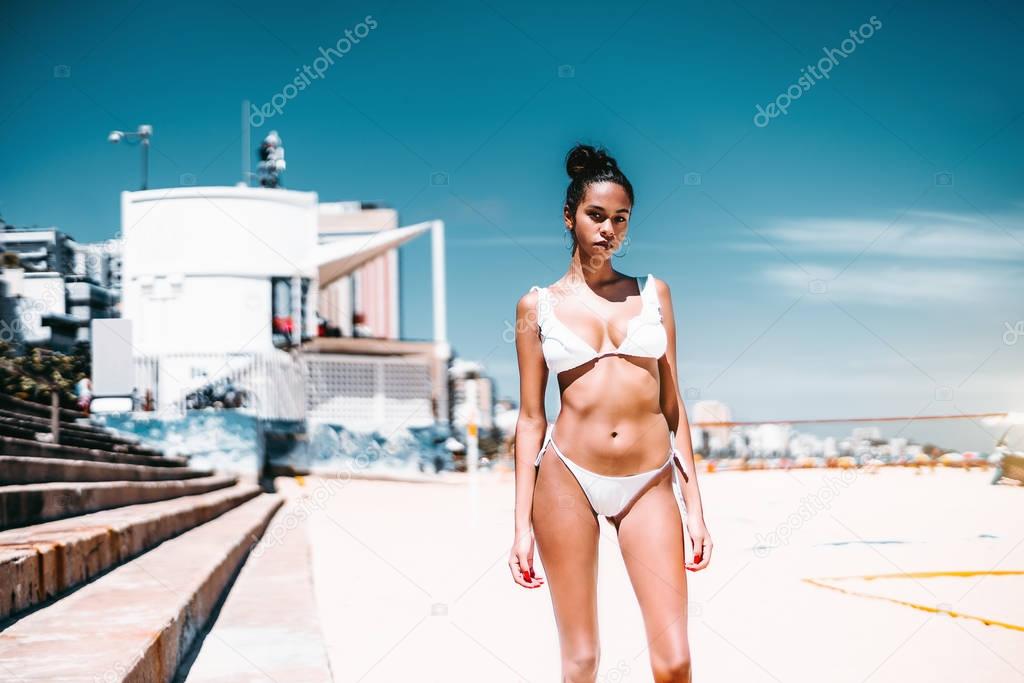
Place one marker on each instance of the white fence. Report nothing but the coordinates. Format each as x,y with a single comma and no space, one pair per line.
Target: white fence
364,393
268,385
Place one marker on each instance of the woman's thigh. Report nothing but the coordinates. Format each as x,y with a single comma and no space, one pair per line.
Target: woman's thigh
567,535
652,543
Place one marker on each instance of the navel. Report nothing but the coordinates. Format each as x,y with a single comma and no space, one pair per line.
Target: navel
614,434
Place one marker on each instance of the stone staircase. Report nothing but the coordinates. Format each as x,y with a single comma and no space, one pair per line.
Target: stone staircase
254,640
116,559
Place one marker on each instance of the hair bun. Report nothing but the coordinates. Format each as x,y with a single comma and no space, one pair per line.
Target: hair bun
585,160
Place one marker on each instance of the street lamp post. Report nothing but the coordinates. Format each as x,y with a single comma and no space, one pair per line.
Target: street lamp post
143,134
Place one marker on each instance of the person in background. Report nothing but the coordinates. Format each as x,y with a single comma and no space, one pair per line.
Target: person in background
83,390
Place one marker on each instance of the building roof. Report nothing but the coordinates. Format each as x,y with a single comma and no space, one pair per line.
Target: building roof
344,254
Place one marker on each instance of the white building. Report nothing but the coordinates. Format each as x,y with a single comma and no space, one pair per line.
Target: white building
709,428
223,284
474,404
201,263
771,440
53,287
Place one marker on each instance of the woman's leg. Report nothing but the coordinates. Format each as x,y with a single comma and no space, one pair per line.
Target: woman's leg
567,534
651,538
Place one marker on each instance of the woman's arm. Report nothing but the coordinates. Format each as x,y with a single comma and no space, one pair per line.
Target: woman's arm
530,428
675,413
532,421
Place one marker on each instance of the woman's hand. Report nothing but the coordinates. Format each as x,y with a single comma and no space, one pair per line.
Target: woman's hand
520,561
701,540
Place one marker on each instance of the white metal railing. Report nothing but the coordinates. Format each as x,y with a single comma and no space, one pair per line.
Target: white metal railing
269,385
365,393
360,392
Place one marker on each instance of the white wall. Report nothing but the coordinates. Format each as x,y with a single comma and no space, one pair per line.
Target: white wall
198,263
42,293
205,314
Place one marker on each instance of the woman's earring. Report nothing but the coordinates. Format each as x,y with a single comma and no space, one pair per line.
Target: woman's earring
625,243
567,242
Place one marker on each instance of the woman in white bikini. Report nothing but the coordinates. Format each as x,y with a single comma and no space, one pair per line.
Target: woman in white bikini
622,439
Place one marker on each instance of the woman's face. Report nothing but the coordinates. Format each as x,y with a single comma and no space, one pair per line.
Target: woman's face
602,219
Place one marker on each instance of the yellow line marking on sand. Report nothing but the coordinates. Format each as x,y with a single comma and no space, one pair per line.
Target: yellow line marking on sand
920,575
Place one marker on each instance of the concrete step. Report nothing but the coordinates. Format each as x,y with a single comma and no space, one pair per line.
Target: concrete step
80,427
136,622
33,408
38,449
71,420
38,424
44,560
16,470
24,504
252,639
27,429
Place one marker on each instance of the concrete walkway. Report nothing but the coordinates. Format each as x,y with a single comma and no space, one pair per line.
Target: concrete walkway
411,582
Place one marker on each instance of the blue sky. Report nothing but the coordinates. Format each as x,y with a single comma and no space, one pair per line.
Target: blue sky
896,181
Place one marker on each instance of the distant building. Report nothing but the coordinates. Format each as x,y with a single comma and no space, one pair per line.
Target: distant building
463,373
870,433
771,440
101,263
39,249
54,286
710,439
263,289
806,445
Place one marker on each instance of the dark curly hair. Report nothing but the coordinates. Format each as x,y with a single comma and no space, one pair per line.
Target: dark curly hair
587,165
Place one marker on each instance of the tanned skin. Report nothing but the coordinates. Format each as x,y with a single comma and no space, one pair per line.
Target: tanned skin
617,412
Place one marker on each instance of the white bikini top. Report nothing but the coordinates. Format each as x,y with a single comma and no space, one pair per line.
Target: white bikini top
564,350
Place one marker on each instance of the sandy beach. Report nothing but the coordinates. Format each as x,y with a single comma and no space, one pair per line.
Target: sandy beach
411,581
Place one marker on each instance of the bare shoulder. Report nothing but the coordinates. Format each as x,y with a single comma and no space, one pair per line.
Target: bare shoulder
663,290
527,302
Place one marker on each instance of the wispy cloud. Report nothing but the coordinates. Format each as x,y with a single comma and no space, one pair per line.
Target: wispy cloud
925,256
918,235
894,285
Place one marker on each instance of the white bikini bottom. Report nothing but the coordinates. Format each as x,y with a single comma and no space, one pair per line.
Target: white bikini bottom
610,495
